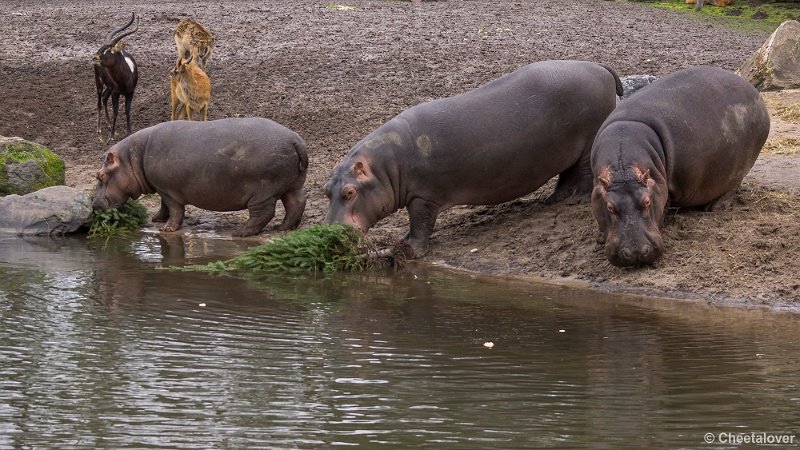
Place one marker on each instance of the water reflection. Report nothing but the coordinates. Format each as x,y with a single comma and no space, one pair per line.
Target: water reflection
103,348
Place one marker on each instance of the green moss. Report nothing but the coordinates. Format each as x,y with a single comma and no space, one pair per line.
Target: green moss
738,15
319,248
22,151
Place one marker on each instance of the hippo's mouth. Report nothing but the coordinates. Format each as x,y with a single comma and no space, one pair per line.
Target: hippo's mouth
634,253
101,202
353,221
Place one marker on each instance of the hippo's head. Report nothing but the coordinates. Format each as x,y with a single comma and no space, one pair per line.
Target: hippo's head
115,182
357,195
629,206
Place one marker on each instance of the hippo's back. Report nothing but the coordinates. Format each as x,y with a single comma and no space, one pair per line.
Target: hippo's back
234,151
211,136
513,133
711,125
713,104
521,106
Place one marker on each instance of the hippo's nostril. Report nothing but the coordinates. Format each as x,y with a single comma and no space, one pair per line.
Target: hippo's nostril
646,250
626,253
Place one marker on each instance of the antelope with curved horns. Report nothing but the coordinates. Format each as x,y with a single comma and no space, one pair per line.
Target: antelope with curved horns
115,74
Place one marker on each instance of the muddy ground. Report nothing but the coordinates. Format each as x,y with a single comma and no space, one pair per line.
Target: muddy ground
335,74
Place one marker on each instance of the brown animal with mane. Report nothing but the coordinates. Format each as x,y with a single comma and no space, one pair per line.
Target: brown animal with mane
192,39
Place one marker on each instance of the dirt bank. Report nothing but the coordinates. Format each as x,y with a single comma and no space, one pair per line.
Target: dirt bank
333,75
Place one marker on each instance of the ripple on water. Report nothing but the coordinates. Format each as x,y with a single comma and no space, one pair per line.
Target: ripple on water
115,353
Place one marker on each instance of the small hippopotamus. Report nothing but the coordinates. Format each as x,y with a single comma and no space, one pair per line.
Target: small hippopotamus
686,140
490,145
221,165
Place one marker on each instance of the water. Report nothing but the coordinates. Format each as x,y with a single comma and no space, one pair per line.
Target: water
102,348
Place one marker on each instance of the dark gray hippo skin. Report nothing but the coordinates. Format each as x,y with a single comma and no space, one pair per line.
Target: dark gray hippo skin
220,165
490,145
686,140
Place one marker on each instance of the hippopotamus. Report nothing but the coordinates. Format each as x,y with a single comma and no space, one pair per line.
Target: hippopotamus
221,165
686,140
490,145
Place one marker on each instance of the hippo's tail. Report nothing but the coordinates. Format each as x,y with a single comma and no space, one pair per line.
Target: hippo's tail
300,148
617,81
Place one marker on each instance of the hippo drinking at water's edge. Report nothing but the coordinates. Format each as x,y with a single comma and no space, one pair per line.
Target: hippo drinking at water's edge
688,139
222,165
490,145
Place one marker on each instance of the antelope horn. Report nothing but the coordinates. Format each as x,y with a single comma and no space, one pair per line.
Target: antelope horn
111,35
127,33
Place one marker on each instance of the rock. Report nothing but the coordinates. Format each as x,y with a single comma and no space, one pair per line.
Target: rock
26,167
776,65
54,210
633,83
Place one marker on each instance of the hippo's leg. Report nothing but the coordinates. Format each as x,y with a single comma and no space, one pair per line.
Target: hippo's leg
422,215
163,213
294,202
724,201
260,215
176,213
574,184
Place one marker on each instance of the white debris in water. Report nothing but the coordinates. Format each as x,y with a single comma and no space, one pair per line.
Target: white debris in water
202,305
562,331
488,344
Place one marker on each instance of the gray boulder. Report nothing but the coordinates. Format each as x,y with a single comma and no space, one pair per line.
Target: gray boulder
26,167
776,65
633,83
55,210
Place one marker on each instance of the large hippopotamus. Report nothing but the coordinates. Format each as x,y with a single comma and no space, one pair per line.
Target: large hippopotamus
686,140
487,146
221,165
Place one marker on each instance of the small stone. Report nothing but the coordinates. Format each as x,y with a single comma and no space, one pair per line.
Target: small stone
202,305
474,250
488,344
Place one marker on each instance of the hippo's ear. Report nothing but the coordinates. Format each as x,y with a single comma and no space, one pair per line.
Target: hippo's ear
604,178
643,176
360,170
111,160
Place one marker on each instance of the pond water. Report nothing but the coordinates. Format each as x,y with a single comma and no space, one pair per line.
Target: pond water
100,346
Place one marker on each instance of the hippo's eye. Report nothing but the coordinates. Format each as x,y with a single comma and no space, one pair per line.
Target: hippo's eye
349,194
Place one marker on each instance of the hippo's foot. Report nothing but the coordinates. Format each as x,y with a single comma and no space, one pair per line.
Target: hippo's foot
170,227
412,248
161,216
294,202
724,201
557,196
577,199
163,213
245,231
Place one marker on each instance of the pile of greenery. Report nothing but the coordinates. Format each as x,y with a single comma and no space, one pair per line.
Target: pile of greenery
318,248
114,222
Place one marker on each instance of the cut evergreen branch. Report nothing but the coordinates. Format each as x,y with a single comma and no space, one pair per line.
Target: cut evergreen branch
114,222
318,248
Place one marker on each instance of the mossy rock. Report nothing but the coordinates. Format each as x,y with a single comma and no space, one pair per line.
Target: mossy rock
26,167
